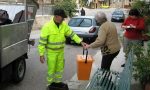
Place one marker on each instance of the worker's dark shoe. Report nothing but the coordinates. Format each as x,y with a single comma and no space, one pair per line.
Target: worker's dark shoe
65,86
58,86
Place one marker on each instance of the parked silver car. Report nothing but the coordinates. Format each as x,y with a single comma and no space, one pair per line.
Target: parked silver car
85,27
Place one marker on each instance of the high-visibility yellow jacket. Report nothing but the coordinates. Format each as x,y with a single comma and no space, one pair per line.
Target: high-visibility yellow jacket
53,38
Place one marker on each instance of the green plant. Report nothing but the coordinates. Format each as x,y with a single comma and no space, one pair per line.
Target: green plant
83,2
68,6
141,65
143,7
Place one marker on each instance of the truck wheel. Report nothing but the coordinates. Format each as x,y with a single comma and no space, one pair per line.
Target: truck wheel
19,68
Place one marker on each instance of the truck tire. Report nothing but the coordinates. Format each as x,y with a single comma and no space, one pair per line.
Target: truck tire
19,69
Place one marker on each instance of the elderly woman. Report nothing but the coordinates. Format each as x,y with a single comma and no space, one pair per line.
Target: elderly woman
133,26
107,40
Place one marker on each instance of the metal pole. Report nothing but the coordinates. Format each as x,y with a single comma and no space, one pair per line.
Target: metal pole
9,1
25,4
42,6
148,6
109,2
122,3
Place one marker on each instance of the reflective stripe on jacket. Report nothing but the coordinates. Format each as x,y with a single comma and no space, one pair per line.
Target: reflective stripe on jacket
53,38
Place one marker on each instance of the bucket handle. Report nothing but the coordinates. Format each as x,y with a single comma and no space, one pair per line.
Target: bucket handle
86,54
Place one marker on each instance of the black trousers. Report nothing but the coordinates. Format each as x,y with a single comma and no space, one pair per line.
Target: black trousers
107,60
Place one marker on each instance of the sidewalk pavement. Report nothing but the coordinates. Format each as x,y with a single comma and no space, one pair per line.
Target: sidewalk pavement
75,84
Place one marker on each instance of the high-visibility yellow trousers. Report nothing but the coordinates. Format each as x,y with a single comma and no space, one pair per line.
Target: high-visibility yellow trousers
55,63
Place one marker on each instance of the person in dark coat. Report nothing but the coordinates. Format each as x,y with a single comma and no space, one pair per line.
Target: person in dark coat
82,12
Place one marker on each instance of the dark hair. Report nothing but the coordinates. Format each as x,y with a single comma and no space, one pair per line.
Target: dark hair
134,12
60,12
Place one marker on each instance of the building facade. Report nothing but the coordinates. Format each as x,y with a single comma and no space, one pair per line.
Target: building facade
111,3
47,1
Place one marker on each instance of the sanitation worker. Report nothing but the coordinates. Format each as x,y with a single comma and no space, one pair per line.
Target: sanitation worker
52,43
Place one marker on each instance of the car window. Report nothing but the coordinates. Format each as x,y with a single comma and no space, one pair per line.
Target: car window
118,12
74,22
94,22
80,22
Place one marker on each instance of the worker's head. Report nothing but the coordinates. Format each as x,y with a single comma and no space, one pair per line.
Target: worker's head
100,18
134,13
59,15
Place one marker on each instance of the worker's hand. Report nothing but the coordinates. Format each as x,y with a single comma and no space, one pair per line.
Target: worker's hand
42,59
83,44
